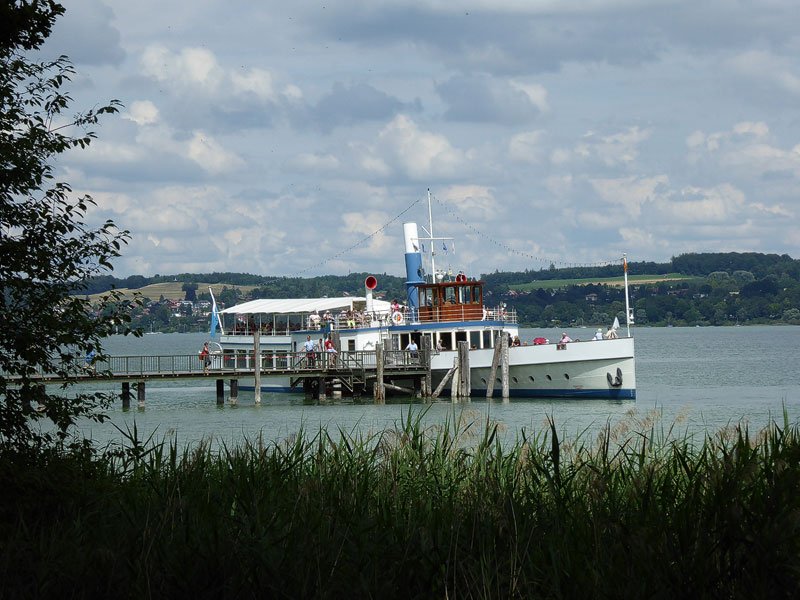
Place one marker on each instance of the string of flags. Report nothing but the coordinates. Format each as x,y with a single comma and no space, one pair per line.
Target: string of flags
510,250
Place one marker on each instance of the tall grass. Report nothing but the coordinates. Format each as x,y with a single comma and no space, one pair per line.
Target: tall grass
413,512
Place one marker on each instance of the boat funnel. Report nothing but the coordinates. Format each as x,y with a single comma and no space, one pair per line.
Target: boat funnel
414,273
370,283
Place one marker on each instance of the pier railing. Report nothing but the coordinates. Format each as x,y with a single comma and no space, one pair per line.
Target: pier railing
120,367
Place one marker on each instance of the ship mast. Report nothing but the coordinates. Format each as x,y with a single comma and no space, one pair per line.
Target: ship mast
628,313
430,233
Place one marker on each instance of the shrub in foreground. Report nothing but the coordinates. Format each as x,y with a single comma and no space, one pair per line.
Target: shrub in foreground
411,512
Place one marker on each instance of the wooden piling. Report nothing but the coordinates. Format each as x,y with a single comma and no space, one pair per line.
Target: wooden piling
498,352
220,392
234,383
321,388
140,392
379,392
257,371
126,395
426,383
504,367
445,379
464,384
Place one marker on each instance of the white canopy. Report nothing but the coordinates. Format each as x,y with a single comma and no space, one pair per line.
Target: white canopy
305,305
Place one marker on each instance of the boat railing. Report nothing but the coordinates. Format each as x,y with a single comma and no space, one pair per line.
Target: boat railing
361,319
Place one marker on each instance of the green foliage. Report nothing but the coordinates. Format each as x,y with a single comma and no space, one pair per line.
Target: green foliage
412,512
48,252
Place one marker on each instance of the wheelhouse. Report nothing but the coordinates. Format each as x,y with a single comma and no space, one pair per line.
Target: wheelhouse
460,300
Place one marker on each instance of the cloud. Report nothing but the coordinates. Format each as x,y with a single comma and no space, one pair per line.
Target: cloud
630,192
86,34
210,155
527,147
612,149
347,104
143,112
766,68
419,154
483,99
747,147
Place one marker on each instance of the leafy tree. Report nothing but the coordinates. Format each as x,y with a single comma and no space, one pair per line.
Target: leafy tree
47,252
191,291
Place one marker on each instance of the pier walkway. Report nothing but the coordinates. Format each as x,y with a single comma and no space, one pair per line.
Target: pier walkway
351,372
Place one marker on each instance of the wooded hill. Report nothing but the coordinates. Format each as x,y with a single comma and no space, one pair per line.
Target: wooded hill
690,289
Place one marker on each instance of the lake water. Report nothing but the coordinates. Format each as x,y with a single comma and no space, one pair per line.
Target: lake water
695,379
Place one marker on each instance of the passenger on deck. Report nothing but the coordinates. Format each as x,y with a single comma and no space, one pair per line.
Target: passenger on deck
564,338
313,320
516,341
598,334
412,349
309,346
611,334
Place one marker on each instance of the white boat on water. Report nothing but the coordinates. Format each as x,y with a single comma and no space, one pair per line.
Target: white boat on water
447,310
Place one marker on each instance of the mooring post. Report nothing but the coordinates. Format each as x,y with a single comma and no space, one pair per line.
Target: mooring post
234,383
257,367
220,392
426,382
321,389
140,388
126,395
379,392
504,366
498,350
464,385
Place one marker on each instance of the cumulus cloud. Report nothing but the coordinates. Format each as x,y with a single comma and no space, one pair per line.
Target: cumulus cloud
630,192
418,153
612,149
661,127
765,68
748,146
87,35
346,104
210,155
483,99
527,146
143,112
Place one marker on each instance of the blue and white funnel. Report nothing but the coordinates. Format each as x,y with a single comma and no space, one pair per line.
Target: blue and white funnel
413,264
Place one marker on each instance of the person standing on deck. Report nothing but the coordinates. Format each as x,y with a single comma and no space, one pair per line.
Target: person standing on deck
412,349
205,357
308,345
330,351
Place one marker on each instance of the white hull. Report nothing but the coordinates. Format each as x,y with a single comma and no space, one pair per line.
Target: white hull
592,369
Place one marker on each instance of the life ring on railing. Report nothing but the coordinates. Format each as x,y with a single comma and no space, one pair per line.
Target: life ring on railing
397,317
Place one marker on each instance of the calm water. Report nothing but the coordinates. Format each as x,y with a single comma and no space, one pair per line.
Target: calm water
696,378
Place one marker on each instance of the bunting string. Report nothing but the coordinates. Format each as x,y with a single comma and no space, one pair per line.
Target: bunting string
500,244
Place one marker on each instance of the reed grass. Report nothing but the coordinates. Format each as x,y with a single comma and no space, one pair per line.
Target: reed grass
413,512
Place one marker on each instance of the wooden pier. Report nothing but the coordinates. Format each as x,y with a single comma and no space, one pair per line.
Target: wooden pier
316,374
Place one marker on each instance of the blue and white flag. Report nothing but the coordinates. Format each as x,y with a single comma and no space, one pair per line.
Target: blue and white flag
215,322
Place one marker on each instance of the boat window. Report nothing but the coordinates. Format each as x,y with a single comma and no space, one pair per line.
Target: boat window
461,336
488,339
425,297
446,337
474,339
450,295
476,294
351,345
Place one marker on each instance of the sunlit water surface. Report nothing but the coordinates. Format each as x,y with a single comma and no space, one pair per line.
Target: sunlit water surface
690,379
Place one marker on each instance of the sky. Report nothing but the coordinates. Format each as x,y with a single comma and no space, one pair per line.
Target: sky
295,138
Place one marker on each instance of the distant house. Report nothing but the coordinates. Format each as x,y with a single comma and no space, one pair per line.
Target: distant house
591,297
